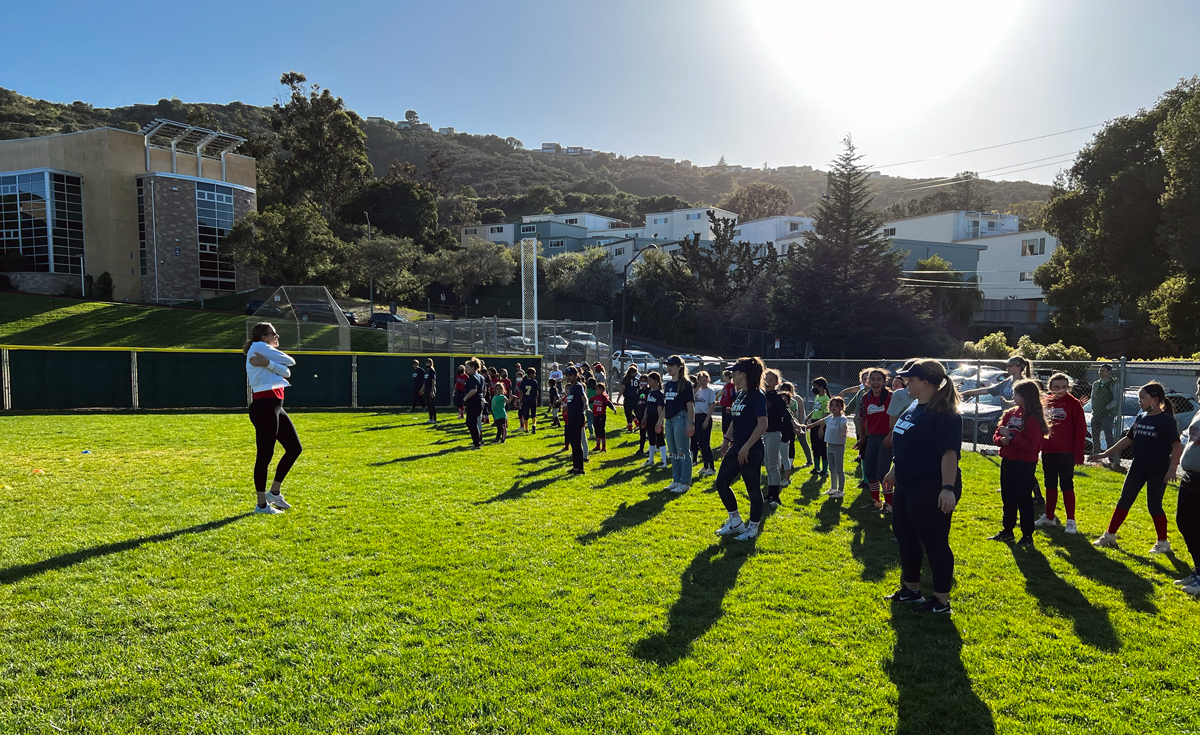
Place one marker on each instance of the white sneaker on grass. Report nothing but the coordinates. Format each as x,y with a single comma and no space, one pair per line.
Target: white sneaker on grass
837,495
1106,540
681,488
1161,547
750,533
648,463
1071,526
671,488
732,527
268,509
1193,589
1045,522
278,501
1188,581
665,466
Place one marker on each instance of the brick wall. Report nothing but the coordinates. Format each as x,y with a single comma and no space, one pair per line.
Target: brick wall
50,284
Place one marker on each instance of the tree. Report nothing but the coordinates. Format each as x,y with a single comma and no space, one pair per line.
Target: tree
412,117
1031,213
456,211
514,143
963,193
201,117
393,263
661,298
842,290
721,163
954,305
288,244
397,206
491,216
758,201
586,276
477,263
325,159
437,172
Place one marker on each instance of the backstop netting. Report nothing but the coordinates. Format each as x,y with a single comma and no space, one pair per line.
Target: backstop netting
306,318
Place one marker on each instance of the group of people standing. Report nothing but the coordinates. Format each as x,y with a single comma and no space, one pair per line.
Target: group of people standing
909,436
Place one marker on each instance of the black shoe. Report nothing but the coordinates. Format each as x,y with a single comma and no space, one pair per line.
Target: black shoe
1026,542
904,594
934,605
1005,536
574,472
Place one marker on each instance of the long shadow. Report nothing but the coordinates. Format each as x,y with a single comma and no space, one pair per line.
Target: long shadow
379,428
872,543
19,572
416,457
1098,566
628,516
829,516
703,586
620,478
1057,596
531,460
933,690
518,491
1178,566
810,490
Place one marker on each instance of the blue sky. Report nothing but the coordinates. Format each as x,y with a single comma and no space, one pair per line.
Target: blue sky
773,81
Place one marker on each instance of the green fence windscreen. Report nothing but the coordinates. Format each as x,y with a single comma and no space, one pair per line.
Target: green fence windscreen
387,380
191,380
70,379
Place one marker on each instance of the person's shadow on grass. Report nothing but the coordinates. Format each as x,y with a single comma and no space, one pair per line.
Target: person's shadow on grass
871,543
1055,594
416,457
62,561
518,491
933,690
703,586
628,516
1098,566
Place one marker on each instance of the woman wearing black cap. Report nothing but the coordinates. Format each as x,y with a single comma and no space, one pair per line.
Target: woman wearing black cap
678,423
473,398
742,449
927,483
576,401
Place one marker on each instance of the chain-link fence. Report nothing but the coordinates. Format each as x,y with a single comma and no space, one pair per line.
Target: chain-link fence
306,318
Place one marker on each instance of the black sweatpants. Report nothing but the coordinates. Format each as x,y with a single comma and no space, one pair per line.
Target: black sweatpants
475,421
575,426
818,449
1058,469
751,474
1017,481
1187,518
418,399
272,424
1156,488
702,440
598,422
432,407
878,458
630,409
923,530
642,437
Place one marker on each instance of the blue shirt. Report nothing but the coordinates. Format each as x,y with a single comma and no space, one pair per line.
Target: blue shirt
575,401
748,407
919,440
1004,389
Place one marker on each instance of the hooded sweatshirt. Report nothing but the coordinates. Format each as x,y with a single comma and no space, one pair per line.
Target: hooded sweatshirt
1026,437
1067,427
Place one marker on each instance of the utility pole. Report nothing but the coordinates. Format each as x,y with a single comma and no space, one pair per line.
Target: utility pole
370,268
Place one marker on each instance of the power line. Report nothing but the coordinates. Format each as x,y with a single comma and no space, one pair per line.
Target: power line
1006,173
957,178
990,147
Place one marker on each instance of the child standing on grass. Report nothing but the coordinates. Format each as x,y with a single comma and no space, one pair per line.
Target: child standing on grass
599,404
1154,437
656,402
531,396
555,403
1020,435
591,393
460,389
1062,451
500,412
267,370
837,428
643,397
820,389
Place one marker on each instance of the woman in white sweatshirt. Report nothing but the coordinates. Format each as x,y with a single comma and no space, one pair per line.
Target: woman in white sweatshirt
266,369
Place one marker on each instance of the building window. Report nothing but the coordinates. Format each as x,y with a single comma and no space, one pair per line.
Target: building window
660,220
793,226
692,216
1027,276
619,251
991,224
214,220
737,233
471,231
495,230
528,228
555,243
1033,246
41,217
573,221
889,232
142,245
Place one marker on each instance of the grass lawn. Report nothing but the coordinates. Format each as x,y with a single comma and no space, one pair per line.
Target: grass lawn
39,320
419,588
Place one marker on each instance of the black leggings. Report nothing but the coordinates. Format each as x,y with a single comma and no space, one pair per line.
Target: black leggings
598,423
630,409
878,458
1017,480
818,450
272,424
702,440
1058,469
418,399
1156,488
475,421
575,439
751,474
432,407
1187,518
922,529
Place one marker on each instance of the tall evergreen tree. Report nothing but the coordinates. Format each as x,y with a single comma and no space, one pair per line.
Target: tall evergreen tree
841,290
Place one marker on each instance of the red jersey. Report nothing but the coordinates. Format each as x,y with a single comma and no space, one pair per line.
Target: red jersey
728,392
873,411
600,403
1026,437
1067,427
507,386
276,392
460,383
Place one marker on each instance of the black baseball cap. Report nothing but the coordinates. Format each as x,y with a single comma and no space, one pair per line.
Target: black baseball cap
674,360
571,370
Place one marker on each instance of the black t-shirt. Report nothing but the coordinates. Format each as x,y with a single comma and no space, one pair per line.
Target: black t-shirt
630,388
748,407
553,395
679,394
919,440
1153,438
430,377
479,385
531,391
776,410
655,400
418,378
575,402
642,395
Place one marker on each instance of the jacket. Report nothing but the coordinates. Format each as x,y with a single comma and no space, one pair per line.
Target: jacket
1104,398
1026,437
1067,427
272,376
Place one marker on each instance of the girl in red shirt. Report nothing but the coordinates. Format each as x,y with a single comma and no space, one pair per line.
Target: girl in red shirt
1020,435
1062,451
600,403
877,458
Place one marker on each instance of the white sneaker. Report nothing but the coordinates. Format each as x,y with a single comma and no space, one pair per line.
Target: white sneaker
1161,547
731,527
1071,526
751,532
1106,540
1046,522
681,488
838,494
672,487
706,472
665,466
785,483
648,463
1193,589
278,501
268,509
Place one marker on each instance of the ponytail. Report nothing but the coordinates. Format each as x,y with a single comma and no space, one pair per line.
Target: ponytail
1158,393
257,334
946,399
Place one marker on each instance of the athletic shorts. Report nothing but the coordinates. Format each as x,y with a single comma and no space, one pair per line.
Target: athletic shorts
529,411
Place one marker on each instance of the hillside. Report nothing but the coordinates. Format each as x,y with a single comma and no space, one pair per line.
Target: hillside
485,163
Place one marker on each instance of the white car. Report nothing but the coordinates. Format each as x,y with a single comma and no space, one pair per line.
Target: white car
644,360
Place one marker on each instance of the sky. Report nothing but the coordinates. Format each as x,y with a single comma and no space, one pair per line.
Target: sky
780,82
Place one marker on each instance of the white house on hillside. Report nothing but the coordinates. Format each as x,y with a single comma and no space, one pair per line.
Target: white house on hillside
951,226
591,221
1006,267
782,230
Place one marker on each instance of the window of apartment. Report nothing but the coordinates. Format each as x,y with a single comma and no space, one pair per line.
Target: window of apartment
573,221
471,231
889,232
793,226
660,220
496,230
619,251
555,243
528,228
214,220
142,244
737,232
1033,246
1027,276
696,215
41,217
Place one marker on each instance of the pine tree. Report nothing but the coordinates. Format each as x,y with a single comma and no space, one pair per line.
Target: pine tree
841,290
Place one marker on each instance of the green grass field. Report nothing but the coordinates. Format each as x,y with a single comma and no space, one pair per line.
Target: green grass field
419,588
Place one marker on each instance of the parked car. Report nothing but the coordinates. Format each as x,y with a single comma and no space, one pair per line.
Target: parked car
980,418
644,360
554,345
514,341
1185,410
351,317
587,338
381,319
